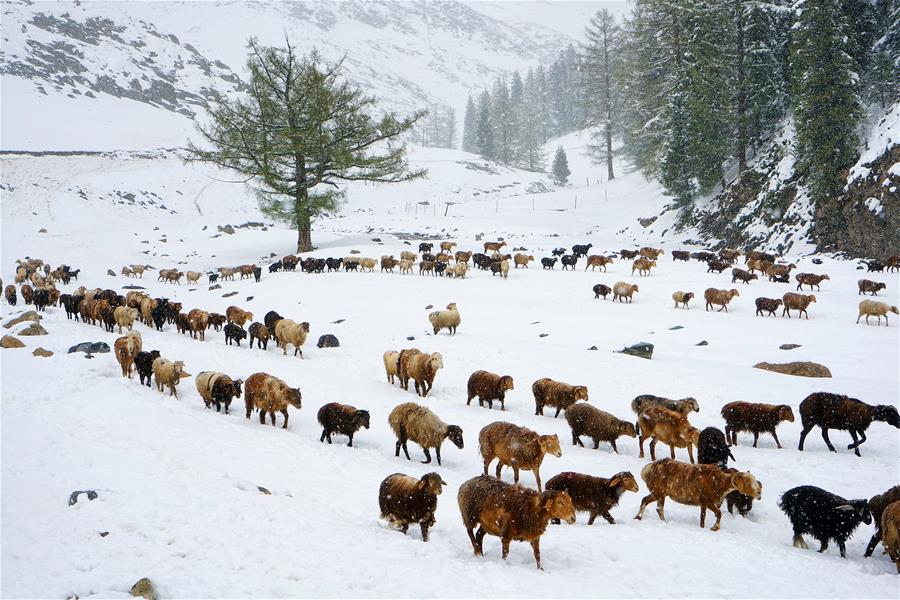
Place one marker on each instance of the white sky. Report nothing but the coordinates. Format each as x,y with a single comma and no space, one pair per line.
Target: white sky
566,16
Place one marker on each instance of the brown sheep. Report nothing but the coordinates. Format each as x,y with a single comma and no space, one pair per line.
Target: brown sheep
556,394
404,500
270,395
742,275
216,321
757,255
834,411
426,266
444,258
759,265
877,504
464,257
126,348
595,495
721,298
447,246
810,279
596,260
27,293
260,333
510,513
10,294
729,255
890,528
651,253
407,255
642,266
493,246
867,286
522,260
873,308
388,263
516,447
411,421
600,426
421,367
343,419
622,290
695,485
682,298
641,403
777,271
754,417
217,388
199,323
488,387
669,427
798,302
767,305
391,364
236,315
629,254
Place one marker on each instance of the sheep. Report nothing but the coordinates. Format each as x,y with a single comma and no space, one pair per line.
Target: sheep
516,447
682,298
260,333
217,388
641,403
890,526
556,394
651,253
510,513
192,276
270,320
584,419
126,349
276,266
234,333
407,255
270,394
596,260
595,495
548,263
716,266
445,319
125,317
704,256
143,363
810,279
167,373
10,294
833,411
729,255
629,254
581,250
439,268
893,263
767,305
460,269
873,308
569,261
798,302
823,515
488,387
388,263
419,366
290,332
681,255
754,417
236,315
622,290
199,323
391,364
425,246
426,266
406,266
721,298
404,500
226,273
411,421
712,449
757,255
463,257
367,264
27,293
443,257
493,246
341,418
669,427
759,265
742,275
780,272
521,260
877,505
216,321
867,286
642,266
694,485
601,290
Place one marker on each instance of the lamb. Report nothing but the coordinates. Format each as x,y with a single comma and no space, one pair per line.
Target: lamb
755,418
217,388
681,255
126,349
199,323
877,505
343,419
890,526
270,394
584,419
404,500
125,317
823,515
548,263
445,319
168,374
595,495
391,364
767,305
493,246
554,393
742,275
234,333
721,298
290,332
516,447
685,406
669,427
682,298
651,253
260,333
601,290
510,513
10,294
488,387
712,448
143,363
810,279
799,302
622,290
694,485
237,315
216,320
421,368
521,260
873,308
867,286
642,266
833,411
411,421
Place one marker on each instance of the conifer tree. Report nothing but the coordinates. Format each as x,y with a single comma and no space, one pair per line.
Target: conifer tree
560,167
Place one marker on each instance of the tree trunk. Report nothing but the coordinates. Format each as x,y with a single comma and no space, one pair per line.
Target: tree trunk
609,155
304,222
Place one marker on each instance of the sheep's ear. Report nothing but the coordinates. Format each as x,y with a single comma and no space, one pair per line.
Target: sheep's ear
616,480
443,482
422,483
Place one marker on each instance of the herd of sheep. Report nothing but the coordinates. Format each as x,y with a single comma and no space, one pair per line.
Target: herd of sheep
487,504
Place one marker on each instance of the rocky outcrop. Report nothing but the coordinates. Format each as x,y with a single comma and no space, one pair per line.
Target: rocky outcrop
798,369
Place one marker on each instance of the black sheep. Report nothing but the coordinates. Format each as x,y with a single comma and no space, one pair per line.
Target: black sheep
41,299
482,261
334,264
351,265
213,277
234,332
257,273
580,250
270,319
548,263
712,449
275,266
440,267
877,504
159,313
343,419
319,265
558,251
834,411
143,362
601,290
569,260
425,247
874,266
823,515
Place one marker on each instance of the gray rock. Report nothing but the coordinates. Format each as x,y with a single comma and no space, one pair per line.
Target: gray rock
788,346
429,307
104,533
354,252
90,348
249,298
641,349
133,287
215,286
410,338
328,341
73,497
229,294
702,343
798,369
110,272
42,230
593,348
227,229
376,239
675,327
338,321
264,490
543,335
33,329
817,261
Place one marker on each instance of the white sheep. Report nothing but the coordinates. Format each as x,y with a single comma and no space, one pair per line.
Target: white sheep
874,308
168,373
445,319
411,421
290,332
391,364
124,317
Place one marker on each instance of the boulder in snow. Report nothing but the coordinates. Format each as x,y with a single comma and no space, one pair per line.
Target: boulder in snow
641,350
798,369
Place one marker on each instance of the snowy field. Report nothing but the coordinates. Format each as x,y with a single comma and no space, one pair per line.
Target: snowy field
177,483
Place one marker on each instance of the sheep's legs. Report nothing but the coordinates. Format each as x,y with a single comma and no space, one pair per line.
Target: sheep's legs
755,438
803,434
872,543
537,477
497,472
576,441
326,435
648,499
690,450
653,450
437,452
775,435
716,511
515,475
827,441
536,546
703,511
427,456
824,545
609,518
842,548
424,528
558,408
641,445
479,541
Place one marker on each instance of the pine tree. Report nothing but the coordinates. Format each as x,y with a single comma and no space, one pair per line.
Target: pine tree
298,131
470,127
484,131
601,93
502,122
450,129
561,166
531,125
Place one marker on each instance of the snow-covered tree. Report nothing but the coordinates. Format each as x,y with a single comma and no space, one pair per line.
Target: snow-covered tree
560,167
470,127
484,129
600,56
